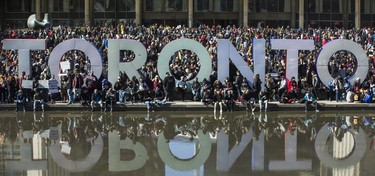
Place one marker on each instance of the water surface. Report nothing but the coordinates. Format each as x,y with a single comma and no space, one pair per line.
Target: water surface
187,143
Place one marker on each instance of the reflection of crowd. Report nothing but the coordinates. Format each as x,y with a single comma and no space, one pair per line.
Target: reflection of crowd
78,82
81,131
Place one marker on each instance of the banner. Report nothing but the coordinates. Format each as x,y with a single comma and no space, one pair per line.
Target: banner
65,66
27,84
43,84
53,86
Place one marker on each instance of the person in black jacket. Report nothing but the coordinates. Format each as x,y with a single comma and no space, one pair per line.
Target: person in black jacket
38,98
12,87
257,85
119,87
109,100
237,85
169,85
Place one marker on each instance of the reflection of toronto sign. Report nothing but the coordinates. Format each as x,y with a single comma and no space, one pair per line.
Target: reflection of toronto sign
226,52
225,157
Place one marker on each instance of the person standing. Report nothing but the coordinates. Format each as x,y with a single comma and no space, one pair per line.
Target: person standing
315,83
169,84
3,88
237,85
12,87
228,94
339,87
218,96
65,85
77,86
196,89
182,87
90,81
158,87
331,89
282,87
292,84
257,85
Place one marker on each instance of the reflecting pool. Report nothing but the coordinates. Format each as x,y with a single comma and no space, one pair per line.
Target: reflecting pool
187,143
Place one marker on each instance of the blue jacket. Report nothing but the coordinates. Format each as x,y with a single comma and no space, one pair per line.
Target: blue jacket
309,97
367,98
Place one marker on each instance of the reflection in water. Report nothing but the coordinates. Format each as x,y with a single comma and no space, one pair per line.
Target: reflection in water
187,144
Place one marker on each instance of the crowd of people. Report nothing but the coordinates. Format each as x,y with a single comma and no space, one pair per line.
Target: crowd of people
79,83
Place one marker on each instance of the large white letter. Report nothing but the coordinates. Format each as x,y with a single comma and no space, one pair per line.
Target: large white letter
226,157
182,164
188,44
322,150
227,51
24,46
27,161
75,44
130,68
80,165
115,145
292,46
290,162
336,45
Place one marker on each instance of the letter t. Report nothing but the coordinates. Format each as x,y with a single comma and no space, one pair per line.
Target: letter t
24,46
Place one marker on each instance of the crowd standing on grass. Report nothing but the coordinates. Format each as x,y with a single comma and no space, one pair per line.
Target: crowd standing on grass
79,83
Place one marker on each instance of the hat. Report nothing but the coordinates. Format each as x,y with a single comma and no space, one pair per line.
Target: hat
104,80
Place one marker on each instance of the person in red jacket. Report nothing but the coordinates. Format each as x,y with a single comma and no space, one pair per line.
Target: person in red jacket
292,83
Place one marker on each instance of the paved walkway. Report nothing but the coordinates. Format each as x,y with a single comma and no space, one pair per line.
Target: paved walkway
198,106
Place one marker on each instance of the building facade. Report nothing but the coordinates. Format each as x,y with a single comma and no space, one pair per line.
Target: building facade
273,13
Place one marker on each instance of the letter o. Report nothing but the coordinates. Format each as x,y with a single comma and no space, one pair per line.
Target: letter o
80,165
188,44
75,44
321,149
336,45
181,164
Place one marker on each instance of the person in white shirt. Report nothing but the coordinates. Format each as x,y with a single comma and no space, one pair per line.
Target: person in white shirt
282,87
350,96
